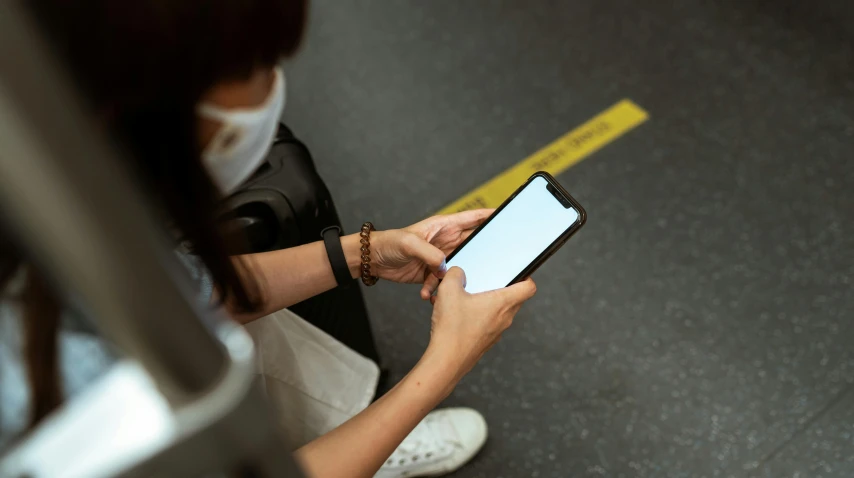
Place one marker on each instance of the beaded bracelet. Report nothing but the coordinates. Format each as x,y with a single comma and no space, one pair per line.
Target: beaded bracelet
367,278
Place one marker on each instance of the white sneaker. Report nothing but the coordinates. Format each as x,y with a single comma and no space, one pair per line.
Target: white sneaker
443,442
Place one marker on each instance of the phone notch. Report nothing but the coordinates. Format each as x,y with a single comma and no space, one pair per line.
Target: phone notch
557,195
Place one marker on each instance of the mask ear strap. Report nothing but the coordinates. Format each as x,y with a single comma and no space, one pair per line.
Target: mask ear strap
212,112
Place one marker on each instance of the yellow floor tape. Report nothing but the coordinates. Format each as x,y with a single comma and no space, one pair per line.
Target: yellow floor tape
556,157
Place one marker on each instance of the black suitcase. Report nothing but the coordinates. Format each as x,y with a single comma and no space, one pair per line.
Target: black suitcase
286,204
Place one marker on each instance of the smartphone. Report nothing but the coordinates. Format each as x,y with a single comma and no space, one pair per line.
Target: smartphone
520,235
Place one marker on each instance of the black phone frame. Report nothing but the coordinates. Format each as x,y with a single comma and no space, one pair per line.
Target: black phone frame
554,246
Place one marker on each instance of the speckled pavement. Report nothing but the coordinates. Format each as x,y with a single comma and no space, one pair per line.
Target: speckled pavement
701,323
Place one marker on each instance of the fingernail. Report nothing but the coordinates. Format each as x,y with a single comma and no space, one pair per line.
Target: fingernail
443,267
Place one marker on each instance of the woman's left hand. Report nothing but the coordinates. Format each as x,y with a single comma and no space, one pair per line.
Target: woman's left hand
416,254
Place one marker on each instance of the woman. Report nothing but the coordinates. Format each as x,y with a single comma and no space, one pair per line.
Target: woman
191,90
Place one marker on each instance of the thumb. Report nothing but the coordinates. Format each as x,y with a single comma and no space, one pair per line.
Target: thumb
427,253
455,279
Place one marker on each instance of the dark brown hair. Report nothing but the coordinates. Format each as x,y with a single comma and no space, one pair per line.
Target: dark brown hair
144,66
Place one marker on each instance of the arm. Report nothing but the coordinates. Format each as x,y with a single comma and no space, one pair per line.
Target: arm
408,255
358,447
289,276
464,327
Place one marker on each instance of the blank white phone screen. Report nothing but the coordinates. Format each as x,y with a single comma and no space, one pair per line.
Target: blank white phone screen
511,241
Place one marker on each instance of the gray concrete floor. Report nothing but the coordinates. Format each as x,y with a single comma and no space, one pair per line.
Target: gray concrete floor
700,324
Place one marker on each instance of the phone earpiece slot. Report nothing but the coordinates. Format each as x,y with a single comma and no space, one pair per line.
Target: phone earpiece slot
557,195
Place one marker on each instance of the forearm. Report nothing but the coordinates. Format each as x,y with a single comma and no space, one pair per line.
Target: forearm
289,276
360,446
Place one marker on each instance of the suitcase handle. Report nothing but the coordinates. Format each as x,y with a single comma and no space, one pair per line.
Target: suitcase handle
258,220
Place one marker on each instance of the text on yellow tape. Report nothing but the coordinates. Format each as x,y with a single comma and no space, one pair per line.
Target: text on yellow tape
556,157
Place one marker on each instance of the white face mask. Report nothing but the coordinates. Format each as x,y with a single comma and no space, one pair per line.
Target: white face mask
245,137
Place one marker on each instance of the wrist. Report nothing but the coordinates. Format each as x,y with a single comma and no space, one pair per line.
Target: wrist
353,253
443,365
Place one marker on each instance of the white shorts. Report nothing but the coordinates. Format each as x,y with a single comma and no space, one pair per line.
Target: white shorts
313,381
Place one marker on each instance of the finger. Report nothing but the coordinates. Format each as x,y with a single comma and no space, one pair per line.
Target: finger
431,282
423,228
465,234
455,243
455,280
470,219
433,300
427,253
518,293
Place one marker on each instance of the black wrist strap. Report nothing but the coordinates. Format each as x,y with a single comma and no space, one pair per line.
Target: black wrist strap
332,239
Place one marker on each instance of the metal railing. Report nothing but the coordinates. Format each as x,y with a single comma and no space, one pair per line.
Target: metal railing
84,219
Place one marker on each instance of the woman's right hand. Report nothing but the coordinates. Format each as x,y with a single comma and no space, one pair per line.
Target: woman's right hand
465,326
